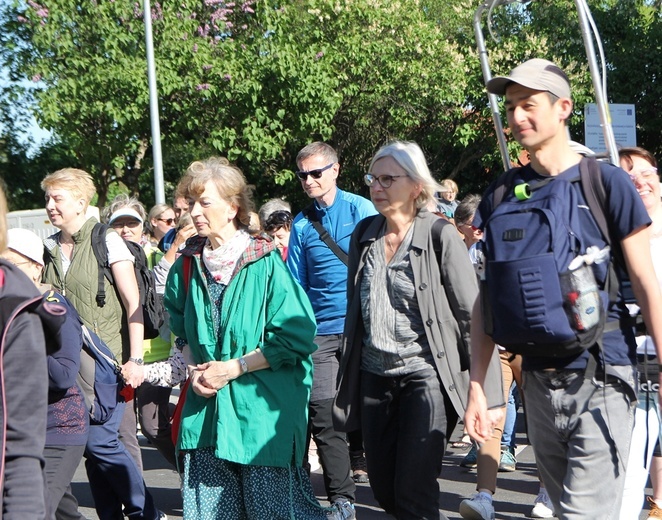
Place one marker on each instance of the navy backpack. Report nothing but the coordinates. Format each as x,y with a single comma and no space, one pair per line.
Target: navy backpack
533,302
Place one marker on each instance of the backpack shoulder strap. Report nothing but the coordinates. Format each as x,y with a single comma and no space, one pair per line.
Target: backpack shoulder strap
593,187
504,184
594,192
590,176
310,213
100,249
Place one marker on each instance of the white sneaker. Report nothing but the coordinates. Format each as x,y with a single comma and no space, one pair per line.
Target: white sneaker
542,507
477,508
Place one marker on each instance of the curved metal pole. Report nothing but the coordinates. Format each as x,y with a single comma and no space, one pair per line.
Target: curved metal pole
487,75
159,193
603,107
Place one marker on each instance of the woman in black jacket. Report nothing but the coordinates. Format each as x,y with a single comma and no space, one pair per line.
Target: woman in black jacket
24,393
67,422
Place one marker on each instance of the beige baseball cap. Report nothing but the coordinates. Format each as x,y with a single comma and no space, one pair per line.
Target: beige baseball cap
536,74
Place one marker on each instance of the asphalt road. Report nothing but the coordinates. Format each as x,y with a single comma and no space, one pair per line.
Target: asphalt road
513,499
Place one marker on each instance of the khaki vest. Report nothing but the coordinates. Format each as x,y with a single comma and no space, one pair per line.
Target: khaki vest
79,285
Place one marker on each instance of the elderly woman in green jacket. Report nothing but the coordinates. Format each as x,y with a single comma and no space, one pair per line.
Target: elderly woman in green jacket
249,330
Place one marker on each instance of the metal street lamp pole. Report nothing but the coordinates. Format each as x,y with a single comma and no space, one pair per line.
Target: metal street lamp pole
159,192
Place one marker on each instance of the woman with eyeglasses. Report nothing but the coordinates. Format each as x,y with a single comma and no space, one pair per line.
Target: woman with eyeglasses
644,454
404,373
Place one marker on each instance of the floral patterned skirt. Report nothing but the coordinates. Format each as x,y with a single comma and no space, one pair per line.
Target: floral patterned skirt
216,489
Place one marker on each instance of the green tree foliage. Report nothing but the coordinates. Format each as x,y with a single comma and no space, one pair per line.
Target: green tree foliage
629,32
257,80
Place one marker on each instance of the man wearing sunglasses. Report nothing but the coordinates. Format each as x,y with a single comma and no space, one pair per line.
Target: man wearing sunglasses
318,262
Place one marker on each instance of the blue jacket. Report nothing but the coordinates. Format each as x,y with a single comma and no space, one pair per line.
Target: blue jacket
319,271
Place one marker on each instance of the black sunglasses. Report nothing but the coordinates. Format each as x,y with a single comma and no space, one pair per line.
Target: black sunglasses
315,174
168,221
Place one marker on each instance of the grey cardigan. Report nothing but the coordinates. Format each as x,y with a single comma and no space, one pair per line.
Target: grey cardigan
446,295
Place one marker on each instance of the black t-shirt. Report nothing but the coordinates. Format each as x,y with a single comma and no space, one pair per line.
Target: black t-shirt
625,214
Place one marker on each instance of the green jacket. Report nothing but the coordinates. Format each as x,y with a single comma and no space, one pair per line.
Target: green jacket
80,287
261,417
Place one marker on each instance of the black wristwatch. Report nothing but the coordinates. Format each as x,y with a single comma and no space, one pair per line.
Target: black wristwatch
137,360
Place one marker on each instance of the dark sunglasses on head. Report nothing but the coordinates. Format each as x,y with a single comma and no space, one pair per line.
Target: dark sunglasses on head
315,174
277,220
169,221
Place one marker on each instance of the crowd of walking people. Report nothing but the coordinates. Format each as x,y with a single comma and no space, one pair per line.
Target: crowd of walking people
367,327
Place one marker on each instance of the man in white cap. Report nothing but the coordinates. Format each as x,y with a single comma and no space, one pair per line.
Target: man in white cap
579,425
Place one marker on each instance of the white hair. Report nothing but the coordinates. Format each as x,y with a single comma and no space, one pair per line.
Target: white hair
410,158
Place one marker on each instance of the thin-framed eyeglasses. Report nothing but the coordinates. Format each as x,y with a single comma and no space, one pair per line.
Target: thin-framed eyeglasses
645,174
315,174
384,180
169,221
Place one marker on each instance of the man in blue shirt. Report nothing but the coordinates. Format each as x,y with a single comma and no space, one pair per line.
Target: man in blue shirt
323,275
579,426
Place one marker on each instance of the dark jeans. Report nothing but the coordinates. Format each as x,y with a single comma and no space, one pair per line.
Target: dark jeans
114,477
355,440
332,452
406,422
331,445
61,464
154,416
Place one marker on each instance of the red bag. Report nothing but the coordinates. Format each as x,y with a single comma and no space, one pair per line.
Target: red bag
176,418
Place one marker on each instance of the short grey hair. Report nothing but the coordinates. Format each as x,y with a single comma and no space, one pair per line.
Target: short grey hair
410,158
317,149
465,211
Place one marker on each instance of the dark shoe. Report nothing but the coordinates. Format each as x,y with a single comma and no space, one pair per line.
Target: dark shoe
359,467
470,460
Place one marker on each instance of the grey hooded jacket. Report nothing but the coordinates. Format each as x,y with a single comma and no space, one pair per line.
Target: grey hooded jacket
446,294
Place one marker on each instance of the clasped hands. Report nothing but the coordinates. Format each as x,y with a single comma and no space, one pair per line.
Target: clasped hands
208,378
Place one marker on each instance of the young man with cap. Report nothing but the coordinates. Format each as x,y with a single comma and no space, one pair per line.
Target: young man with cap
579,425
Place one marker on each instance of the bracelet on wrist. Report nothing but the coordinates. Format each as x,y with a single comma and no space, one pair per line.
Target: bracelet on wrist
137,360
243,365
